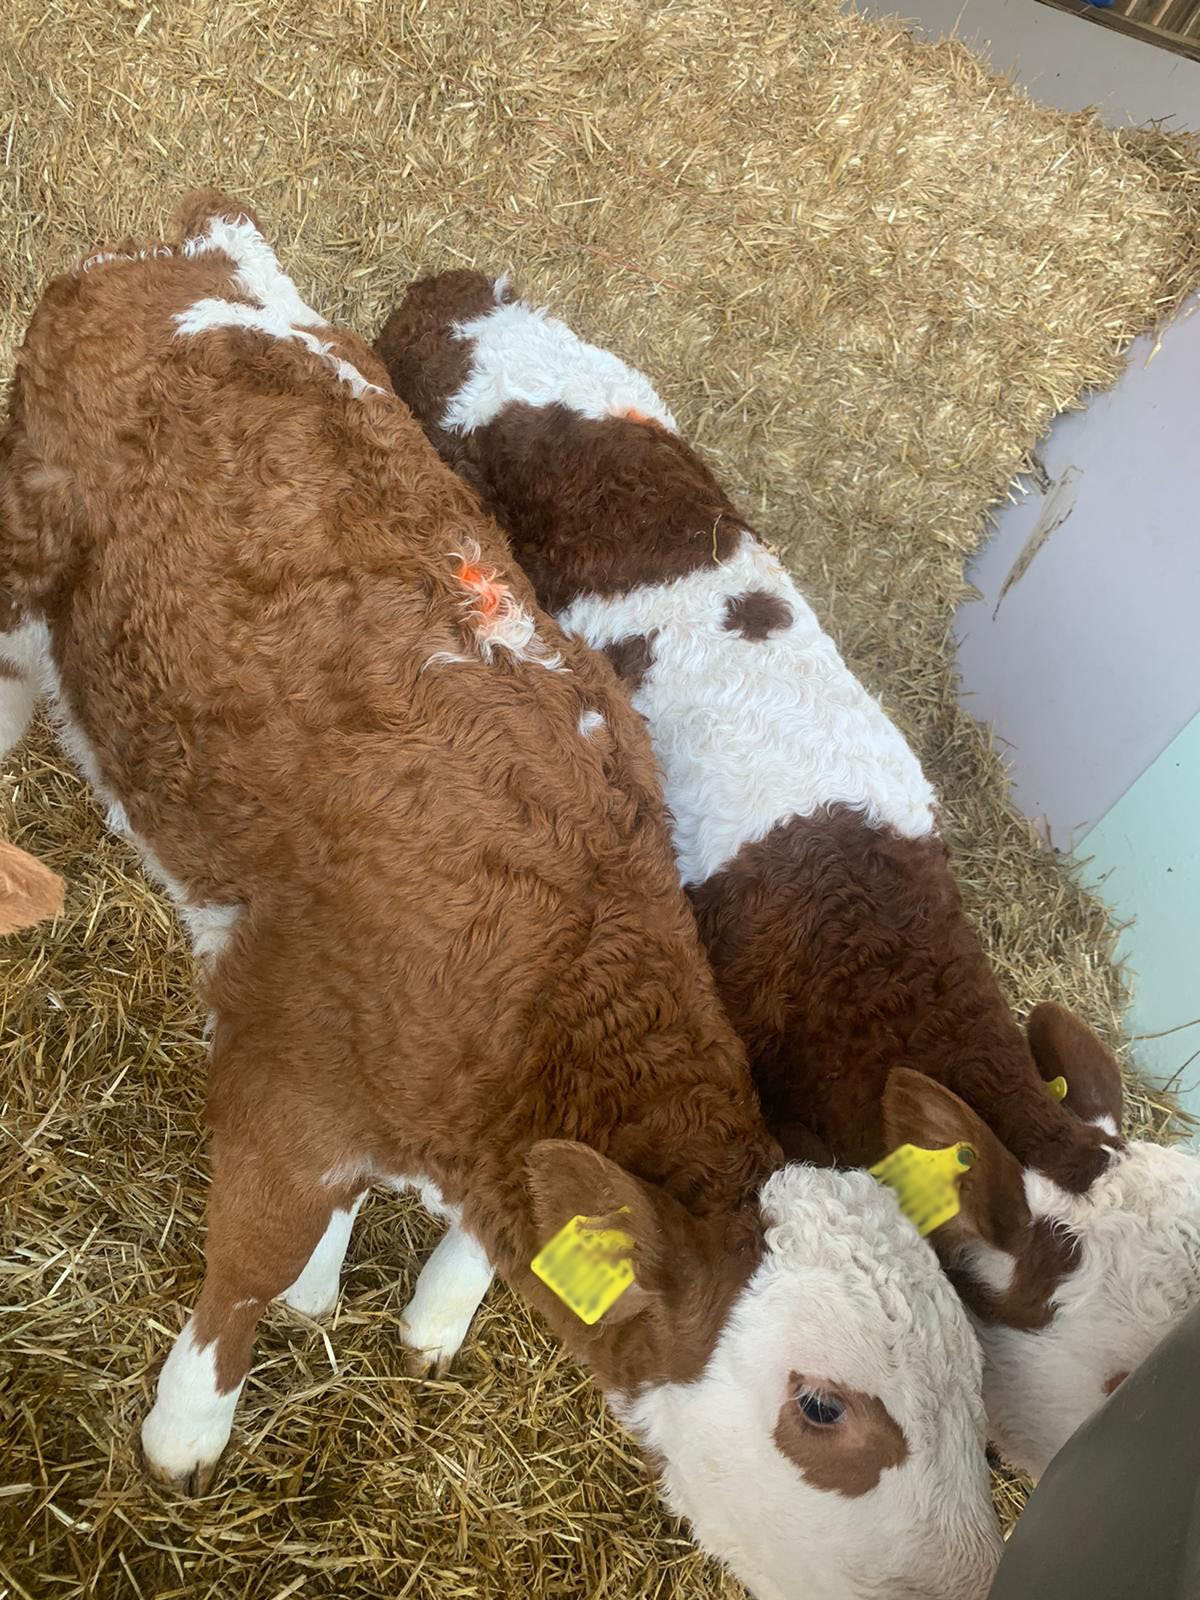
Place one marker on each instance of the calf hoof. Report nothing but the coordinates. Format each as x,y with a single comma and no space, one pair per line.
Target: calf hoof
192,1482
180,1457
422,1362
315,1304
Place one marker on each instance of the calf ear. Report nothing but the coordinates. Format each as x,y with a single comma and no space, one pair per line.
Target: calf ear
1064,1047
29,892
918,1110
571,1180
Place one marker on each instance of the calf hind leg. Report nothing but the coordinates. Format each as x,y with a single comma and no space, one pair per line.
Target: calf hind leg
263,1229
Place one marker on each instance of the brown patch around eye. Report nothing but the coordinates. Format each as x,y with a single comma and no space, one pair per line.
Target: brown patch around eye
631,658
757,614
848,1457
1115,1382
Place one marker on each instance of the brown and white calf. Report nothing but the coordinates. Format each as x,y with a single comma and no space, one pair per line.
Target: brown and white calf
806,835
417,837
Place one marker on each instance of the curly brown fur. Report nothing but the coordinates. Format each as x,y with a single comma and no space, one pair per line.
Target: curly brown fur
843,951
460,930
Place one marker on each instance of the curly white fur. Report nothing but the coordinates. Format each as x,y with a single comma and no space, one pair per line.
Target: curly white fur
849,1295
750,733
1138,1231
22,653
522,354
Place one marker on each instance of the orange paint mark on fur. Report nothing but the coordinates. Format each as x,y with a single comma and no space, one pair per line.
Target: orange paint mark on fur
498,619
633,415
489,593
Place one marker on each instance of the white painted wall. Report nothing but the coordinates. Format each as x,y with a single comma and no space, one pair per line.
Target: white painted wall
1089,664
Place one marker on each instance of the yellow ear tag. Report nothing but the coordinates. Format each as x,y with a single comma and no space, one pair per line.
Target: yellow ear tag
586,1266
1056,1088
926,1182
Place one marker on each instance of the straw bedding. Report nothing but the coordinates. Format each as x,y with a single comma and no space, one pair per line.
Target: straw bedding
865,275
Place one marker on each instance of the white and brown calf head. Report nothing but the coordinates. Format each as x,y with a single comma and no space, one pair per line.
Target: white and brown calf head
803,1377
1069,1292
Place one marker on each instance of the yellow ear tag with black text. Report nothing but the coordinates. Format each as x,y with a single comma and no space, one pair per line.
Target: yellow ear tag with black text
926,1182
1056,1088
586,1266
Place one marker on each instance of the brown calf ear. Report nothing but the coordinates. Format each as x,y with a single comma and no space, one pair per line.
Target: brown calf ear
1064,1047
917,1110
29,892
571,1180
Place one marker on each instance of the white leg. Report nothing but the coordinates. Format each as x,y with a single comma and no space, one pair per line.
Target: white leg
21,655
17,700
184,1434
315,1291
449,1289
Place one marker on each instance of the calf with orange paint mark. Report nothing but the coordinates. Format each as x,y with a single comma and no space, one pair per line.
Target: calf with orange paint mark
445,944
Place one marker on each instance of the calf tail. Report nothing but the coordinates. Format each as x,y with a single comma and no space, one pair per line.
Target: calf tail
202,206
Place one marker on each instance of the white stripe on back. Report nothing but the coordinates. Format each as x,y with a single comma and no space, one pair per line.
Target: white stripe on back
750,733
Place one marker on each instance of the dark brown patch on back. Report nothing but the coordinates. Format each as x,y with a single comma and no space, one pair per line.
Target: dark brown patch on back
848,1457
632,658
842,951
599,507
757,614
425,360
592,506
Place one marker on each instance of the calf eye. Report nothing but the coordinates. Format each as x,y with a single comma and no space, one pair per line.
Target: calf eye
822,1410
